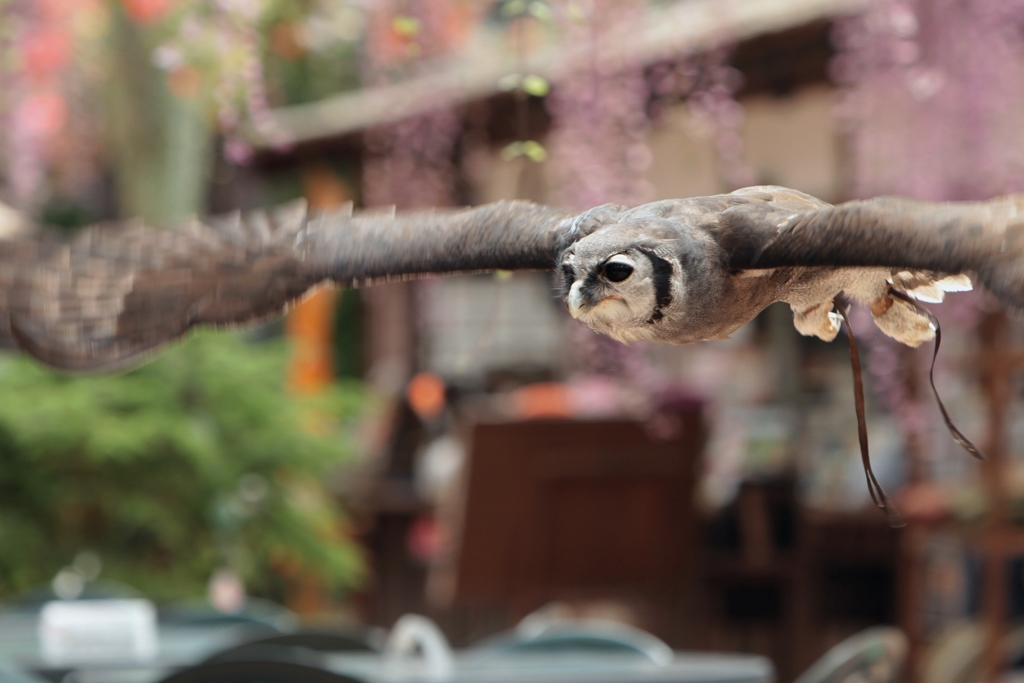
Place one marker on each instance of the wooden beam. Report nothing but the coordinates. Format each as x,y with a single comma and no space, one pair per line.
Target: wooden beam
660,33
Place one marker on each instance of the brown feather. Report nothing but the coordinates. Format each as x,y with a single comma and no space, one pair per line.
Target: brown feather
946,237
114,293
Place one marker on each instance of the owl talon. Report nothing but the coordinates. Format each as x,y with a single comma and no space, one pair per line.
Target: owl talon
901,321
818,321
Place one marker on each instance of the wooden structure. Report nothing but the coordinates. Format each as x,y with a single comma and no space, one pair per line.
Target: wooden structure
999,540
788,582
664,31
581,511
998,364
577,510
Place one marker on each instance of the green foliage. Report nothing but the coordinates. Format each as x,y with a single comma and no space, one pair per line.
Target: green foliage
532,149
195,461
348,334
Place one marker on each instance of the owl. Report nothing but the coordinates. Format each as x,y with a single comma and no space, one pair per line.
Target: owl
675,271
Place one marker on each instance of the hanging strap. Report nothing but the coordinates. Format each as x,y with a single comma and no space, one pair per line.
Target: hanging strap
957,435
874,488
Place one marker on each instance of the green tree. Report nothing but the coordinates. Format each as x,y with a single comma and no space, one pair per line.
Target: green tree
195,461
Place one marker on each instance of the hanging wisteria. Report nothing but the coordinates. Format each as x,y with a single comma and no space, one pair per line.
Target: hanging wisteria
708,84
409,163
52,59
597,144
599,116
37,47
225,38
713,103
931,104
615,103
932,97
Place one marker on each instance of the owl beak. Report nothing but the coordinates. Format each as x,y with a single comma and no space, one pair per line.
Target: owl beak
575,299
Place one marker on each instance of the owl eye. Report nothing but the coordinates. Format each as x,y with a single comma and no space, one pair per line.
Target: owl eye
616,271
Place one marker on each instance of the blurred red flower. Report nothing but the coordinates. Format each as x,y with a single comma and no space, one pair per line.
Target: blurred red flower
42,114
146,11
46,51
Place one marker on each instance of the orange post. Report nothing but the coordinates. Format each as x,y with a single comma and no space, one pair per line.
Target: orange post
309,328
309,324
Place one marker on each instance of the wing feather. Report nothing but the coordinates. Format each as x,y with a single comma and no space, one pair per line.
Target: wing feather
114,293
985,238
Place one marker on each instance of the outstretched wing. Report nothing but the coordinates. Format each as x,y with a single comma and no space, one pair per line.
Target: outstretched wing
926,245
774,227
113,293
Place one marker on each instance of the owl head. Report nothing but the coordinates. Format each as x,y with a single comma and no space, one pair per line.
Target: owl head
621,281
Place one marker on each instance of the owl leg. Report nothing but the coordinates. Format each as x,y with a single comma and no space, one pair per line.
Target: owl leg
901,321
817,321
894,317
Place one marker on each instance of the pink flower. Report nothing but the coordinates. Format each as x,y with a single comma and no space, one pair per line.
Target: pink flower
41,115
238,151
46,52
146,11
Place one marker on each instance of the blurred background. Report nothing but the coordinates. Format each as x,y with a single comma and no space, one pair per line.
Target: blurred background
460,448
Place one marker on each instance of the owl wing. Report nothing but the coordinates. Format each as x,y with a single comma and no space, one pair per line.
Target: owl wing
928,247
923,242
114,293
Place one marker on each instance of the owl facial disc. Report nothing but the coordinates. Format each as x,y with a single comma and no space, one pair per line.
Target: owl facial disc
581,299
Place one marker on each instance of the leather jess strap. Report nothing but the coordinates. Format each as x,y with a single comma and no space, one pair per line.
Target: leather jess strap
874,488
877,493
957,435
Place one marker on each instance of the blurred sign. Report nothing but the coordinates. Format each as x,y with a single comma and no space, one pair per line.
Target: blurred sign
73,631
475,325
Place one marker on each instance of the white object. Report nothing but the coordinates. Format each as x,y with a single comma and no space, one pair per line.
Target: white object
438,467
536,628
417,652
226,591
413,634
73,631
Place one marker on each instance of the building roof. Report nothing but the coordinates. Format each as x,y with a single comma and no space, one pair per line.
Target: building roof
662,32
